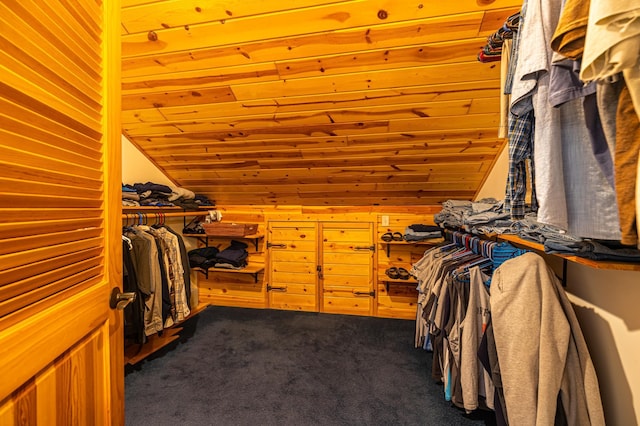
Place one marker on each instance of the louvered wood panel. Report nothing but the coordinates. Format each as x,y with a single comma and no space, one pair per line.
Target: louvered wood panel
59,228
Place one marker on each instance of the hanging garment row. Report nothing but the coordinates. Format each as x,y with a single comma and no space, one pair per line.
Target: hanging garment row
503,333
156,268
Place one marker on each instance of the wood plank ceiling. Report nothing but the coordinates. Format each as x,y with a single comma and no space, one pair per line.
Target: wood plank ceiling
314,102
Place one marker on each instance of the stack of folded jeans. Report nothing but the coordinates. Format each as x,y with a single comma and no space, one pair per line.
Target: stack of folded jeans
233,257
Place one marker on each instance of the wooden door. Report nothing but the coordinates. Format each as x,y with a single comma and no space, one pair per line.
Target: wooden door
293,260
61,349
346,258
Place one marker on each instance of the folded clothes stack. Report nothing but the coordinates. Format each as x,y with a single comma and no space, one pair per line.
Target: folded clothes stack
488,216
418,232
233,257
158,195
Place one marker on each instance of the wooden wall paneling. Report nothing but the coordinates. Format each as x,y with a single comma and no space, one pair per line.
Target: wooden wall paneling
176,106
279,90
144,16
297,21
378,36
381,79
379,59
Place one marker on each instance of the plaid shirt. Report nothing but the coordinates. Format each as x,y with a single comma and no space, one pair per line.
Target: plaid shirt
521,131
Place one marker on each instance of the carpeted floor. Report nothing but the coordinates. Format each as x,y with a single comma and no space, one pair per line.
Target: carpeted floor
265,367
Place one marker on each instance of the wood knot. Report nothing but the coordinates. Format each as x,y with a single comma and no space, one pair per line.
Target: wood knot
382,14
152,36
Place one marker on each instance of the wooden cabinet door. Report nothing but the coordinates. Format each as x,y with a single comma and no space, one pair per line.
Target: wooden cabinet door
346,258
61,351
293,260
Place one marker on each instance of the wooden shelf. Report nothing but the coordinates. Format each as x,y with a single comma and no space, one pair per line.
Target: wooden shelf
411,282
428,242
249,269
431,241
385,278
597,264
204,238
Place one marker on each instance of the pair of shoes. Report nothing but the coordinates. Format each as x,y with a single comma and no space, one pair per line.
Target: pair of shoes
397,273
395,236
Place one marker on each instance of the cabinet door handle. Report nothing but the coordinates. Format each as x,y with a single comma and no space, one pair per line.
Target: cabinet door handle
271,288
269,245
319,269
365,293
371,248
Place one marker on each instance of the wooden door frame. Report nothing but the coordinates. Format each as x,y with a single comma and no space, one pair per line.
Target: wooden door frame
112,163
112,135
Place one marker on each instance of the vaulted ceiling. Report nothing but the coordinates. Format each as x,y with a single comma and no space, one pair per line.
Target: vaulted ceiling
314,102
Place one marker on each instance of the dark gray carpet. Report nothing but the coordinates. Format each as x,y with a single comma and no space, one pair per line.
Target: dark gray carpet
264,367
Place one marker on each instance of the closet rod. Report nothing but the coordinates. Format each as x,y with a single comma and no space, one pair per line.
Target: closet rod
131,215
174,214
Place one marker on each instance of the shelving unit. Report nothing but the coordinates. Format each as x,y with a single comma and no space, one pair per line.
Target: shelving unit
597,264
249,269
429,242
204,238
386,280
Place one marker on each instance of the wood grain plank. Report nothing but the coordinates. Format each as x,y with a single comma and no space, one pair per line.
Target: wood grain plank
389,58
398,146
418,76
193,109
193,80
375,36
187,98
176,13
362,114
346,172
204,131
297,21
293,188
158,144
361,178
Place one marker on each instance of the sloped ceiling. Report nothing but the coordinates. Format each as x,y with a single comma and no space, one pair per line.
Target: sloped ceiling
314,102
